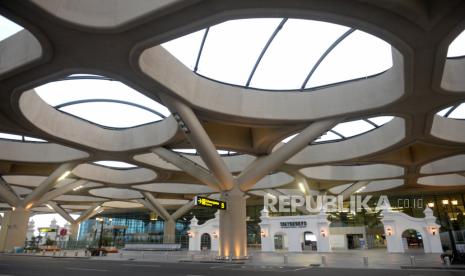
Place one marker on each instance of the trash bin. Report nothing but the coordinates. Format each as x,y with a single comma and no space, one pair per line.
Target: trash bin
18,249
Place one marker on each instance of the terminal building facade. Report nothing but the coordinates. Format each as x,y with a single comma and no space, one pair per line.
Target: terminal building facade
116,115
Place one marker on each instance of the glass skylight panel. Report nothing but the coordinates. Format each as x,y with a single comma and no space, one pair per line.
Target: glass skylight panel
293,52
61,92
458,113
10,136
457,47
349,129
115,164
186,48
289,138
328,136
381,120
111,114
358,55
232,48
188,151
32,139
8,28
443,112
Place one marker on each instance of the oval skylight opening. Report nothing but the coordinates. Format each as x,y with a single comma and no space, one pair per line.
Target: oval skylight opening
115,164
349,129
110,114
102,101
194,152
281,54
9,136
457,47
8,28
453,112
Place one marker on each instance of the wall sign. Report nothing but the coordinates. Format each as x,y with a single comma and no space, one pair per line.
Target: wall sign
293,224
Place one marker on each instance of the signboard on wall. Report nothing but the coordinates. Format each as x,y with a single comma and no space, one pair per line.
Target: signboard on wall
293,224
210,203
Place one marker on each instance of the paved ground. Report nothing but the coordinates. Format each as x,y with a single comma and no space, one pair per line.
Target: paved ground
341,259
34,266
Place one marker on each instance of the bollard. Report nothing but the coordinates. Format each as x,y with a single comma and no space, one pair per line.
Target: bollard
100,253
447,260
166,256
285,259
75,253
365,260
192,257
64,253
143,255
54,253
121,255
412,260
43,252
323,260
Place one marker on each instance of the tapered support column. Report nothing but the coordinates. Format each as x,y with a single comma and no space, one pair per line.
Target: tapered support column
233,226
74,231
169,231
14,229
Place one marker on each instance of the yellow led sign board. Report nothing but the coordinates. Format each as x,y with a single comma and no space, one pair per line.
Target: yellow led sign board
210,203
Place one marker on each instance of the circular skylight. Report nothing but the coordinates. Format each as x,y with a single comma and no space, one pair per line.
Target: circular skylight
457,47
349,129
281,54
115,164
102,101
453,112
8,28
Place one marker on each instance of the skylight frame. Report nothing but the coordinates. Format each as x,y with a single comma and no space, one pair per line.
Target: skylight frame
76,77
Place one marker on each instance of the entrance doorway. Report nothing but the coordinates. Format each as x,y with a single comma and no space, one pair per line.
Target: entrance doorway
280,241
353,241
205,242
412,240
309,243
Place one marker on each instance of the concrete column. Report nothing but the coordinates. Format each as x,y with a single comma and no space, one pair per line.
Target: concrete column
233,226
169,231
74,231
14,229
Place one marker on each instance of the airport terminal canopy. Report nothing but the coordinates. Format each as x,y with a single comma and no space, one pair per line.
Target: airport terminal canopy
173,99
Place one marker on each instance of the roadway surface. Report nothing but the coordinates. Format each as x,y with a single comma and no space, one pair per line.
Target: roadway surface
46,266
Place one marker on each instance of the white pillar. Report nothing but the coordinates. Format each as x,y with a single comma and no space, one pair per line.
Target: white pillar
14,229
74,229
323,244
169,231
265,232
233,226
